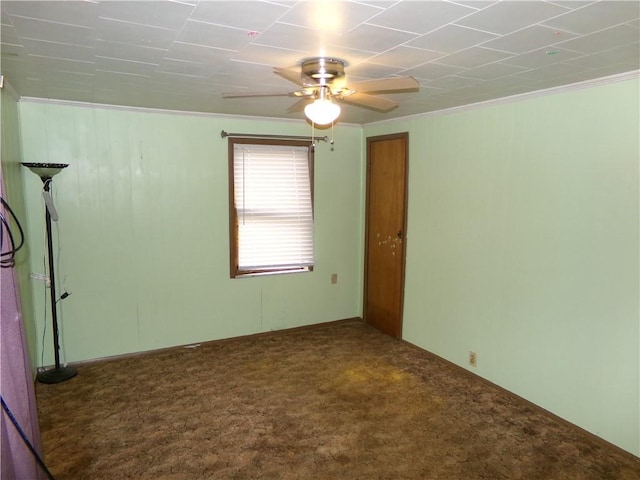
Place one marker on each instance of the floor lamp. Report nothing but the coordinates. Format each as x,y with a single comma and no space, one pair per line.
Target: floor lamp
46,171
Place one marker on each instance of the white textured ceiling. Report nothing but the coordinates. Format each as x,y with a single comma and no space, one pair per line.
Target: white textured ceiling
182,55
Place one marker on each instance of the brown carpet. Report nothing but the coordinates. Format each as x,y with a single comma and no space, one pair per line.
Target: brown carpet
340,401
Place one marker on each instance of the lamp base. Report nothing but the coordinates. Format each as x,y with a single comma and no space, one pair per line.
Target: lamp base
56,375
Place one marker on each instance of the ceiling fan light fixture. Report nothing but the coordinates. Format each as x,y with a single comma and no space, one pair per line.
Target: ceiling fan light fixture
322,111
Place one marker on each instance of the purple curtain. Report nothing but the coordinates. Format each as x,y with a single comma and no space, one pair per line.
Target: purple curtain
16,381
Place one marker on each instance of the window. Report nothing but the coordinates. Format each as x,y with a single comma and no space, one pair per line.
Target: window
271,206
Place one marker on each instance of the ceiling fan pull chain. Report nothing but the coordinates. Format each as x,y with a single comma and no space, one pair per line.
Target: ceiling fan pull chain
332,125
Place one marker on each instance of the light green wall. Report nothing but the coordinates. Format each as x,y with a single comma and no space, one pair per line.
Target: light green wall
144,230
12,173
523,247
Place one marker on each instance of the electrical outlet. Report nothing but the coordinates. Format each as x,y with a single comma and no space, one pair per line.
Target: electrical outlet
473,359
334,278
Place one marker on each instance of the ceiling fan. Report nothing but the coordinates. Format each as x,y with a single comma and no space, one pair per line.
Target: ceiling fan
322,80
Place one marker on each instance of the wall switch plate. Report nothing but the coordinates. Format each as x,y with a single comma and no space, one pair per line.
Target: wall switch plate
334,278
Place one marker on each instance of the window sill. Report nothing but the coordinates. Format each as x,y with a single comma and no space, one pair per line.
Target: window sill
274,272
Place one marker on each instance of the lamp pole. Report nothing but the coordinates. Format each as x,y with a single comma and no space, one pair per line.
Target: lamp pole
59,373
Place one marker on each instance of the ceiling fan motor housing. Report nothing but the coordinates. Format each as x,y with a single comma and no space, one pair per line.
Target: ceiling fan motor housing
323,70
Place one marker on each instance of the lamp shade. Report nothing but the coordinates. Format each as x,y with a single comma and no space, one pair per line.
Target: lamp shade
322,111
45,170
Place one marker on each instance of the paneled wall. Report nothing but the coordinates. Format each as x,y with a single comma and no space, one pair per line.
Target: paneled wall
522,246
13,174
143,231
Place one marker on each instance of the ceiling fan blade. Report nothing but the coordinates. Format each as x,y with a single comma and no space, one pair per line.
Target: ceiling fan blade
289,74
364,100
299,105
258,94
385,85
295,76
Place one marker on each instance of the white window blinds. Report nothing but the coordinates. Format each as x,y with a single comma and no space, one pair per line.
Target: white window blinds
274,212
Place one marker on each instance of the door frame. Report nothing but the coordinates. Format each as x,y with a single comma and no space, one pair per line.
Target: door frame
370,140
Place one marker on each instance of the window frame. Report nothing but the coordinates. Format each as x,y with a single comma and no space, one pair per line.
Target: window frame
235,271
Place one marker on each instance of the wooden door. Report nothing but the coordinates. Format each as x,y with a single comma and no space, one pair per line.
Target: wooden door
385,231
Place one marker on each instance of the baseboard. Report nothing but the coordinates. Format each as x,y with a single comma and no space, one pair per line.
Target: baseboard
463,371
78,365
